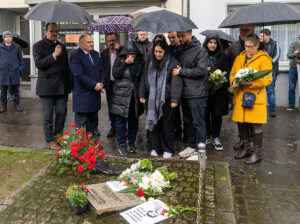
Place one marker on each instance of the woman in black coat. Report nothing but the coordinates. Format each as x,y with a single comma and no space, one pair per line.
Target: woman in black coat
161,92
217,104
127,72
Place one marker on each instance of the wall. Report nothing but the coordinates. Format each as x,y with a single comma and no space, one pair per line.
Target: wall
7,21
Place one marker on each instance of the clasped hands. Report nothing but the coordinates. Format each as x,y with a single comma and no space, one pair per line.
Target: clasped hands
99,87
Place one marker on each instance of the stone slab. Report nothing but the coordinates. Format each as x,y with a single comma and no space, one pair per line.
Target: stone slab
103,200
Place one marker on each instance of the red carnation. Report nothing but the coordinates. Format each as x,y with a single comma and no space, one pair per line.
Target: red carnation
81,159
98,143
87,154
74,154
84,136
91,147
128,183
80,169
91,165
66,132
72,125
60,139
73,148
163,211
91,143
89,133
83,143
140,192
83,186
87,190
57,153
78,132
75,143
93,159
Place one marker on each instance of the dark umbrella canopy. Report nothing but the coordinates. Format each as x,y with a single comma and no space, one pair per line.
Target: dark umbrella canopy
58,11
262,14
221,34
162,22
17,39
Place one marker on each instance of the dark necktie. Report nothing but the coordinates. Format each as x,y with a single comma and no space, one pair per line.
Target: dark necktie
91,58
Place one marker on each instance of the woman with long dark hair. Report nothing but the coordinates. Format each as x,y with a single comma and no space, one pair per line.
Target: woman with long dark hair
161,92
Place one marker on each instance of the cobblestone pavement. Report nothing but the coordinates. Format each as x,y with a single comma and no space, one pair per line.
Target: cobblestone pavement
264,193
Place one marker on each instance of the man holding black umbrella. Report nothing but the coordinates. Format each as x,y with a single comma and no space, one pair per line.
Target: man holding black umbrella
54,83
195,92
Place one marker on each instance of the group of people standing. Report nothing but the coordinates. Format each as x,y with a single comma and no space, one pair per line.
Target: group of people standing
155,78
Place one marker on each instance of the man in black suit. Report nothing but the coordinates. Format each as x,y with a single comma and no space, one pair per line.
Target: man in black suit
108,57
54,83
88,83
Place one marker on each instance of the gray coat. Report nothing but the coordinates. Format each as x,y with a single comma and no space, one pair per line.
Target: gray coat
193,59
10,64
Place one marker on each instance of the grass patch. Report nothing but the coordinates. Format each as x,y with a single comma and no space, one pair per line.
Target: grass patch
18,167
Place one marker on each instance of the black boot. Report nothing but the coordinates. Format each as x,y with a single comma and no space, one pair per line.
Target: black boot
244,132
256,156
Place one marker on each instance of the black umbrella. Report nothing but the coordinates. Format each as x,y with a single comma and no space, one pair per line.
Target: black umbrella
18,39
163,21
221,34
262,14
58,11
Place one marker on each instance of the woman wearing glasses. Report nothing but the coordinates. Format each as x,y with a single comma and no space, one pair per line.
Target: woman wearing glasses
253,118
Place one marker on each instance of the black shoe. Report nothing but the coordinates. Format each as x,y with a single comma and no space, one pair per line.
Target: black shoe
97,132
111,133
123,149
272,113
132,148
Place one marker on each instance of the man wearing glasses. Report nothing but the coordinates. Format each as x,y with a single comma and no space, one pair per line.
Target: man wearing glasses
53,83
234,50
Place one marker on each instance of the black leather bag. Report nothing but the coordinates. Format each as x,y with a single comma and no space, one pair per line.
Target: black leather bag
248,100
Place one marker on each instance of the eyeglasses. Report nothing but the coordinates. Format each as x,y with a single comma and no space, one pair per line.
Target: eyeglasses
250,47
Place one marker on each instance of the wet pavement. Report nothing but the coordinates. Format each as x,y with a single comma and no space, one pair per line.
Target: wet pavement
265,193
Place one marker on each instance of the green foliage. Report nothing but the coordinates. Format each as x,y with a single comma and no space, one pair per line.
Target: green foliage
77,195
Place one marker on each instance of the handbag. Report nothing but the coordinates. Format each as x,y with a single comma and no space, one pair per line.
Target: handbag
249,99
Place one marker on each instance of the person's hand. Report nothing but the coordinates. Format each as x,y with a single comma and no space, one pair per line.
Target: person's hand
142,100
244,83
117,45
217,87
99,87
129,60
296,52
173,105
176,70
298,61
208,69
57,50
234,84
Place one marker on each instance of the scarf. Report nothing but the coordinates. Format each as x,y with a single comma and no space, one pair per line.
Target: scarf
157,77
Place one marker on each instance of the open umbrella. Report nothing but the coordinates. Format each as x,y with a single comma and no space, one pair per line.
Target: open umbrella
163,21
221,34
112,24
262,14
145,10
58,11
17,39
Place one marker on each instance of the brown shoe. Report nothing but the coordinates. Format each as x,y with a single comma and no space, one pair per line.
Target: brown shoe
52,145
18,108
3,109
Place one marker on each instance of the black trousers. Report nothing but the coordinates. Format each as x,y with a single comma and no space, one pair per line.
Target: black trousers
213,124
162,137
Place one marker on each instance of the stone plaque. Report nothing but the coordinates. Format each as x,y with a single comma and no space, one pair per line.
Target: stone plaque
103,200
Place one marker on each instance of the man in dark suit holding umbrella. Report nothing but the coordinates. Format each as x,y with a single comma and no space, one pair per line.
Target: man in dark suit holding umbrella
53,83
88,82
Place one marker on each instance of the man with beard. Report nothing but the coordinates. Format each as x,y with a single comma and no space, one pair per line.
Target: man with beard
108,57
193,59
234,50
